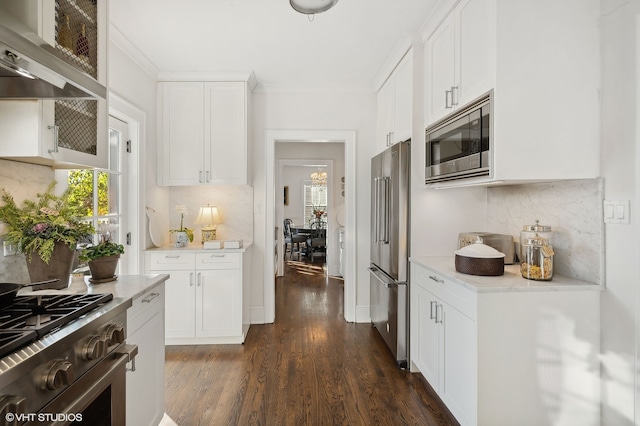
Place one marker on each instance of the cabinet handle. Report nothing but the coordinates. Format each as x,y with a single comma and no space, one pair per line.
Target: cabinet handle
191,279
390,138
207,179
199,279
56,133
150,298
446,99
433,302
218,255
172,256
438,306
200,176
454,95
436,279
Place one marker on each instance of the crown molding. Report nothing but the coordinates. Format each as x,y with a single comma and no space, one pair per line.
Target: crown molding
118,38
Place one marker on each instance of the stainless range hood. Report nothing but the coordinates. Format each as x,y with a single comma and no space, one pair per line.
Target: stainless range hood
29,68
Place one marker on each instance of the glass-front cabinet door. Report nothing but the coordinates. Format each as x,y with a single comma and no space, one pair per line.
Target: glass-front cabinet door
62,132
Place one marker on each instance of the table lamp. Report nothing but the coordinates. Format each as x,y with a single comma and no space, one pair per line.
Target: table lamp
208,217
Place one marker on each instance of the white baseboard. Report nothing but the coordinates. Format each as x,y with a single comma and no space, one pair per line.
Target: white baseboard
257,315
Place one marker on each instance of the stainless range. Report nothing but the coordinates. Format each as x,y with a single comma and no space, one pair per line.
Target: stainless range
63,360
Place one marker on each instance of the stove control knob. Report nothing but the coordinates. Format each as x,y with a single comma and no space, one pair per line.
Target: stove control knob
94,348
10,405
58,375
114,334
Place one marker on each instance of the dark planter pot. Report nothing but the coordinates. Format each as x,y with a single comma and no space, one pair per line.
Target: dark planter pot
59,267
103,269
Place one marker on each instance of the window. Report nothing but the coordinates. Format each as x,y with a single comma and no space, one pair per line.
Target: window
99,190
315,198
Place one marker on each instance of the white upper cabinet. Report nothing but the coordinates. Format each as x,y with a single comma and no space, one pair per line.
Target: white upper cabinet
542,61
459,58
395,110
203,132
440,67
67,132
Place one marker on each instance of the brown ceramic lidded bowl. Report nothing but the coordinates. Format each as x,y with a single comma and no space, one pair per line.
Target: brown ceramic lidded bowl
479,259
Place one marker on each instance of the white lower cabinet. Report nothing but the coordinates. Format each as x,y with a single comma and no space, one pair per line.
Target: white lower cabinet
145,383
207,296
444,349
507,357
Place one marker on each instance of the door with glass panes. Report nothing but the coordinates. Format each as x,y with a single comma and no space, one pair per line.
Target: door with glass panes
102,193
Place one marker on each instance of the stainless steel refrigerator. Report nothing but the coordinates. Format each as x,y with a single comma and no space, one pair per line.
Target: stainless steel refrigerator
389,269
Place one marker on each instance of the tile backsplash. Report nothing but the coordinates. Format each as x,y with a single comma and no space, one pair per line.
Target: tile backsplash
573,209
235,206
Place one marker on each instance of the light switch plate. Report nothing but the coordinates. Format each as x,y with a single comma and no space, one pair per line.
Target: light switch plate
617,211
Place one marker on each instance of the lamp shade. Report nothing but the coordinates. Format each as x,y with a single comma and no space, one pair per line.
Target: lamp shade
311,7
208,216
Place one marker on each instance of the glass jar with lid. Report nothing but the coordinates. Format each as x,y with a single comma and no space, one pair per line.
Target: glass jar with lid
537,259
530,231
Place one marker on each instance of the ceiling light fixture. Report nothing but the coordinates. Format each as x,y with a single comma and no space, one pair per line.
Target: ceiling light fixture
319,178
311,7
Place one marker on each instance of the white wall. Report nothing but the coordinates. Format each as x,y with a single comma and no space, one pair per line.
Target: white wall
135,82
618,163
313,110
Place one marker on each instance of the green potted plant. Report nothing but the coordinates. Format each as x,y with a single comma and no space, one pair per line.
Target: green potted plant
47,230
102,258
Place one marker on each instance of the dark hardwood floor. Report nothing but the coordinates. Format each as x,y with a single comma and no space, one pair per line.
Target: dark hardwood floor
308,368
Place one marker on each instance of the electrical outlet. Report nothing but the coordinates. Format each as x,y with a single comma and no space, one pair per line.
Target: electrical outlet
8,249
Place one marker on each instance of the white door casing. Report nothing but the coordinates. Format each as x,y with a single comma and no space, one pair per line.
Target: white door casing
348,137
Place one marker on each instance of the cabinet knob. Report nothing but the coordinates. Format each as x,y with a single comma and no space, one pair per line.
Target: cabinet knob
56,133
454,95
436,279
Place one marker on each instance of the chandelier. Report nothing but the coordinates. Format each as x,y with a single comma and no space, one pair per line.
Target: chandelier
311,7
319,178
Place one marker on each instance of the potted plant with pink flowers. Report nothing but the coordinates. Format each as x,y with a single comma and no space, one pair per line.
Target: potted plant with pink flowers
47,230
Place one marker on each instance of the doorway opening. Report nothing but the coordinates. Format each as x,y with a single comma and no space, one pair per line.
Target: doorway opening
305,209
348,139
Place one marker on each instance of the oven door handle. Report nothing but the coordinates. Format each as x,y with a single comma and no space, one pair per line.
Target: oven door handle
130,352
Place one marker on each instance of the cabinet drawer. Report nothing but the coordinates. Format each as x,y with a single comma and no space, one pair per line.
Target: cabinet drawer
452,293
171,261
217,261
145,307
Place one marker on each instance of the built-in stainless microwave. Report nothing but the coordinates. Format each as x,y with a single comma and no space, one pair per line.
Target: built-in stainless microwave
459,146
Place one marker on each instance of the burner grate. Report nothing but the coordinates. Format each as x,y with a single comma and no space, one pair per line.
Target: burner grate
12,340
36,316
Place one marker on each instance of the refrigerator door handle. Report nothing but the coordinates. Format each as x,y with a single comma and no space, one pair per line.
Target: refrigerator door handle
385,206
386,281
376,210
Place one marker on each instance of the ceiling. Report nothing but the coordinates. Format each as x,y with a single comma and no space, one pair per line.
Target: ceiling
344,47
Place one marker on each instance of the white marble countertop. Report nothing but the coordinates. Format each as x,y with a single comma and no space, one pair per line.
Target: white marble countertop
125,286
197,247
511,280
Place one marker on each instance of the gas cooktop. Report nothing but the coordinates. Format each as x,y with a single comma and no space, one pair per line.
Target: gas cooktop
30,318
